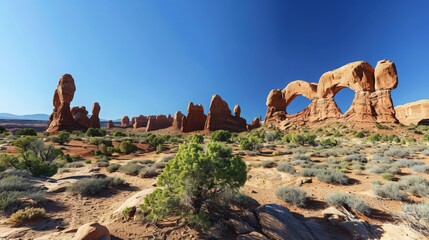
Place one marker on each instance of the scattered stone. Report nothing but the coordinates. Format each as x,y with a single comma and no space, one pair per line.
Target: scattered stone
92,231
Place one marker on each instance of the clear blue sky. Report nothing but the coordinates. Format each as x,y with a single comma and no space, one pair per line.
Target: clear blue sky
152,57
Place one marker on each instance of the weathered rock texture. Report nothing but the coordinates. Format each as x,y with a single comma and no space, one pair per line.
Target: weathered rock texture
195,119
220,117
372,102
110,124
177,120
140,121
159,122
413,113
125,121
64,118
256,123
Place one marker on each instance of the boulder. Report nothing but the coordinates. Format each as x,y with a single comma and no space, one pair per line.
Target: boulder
95,118
220,118
80,116
413,113
125,121
239,226
237,111
386,77
278,223
92,231
195,119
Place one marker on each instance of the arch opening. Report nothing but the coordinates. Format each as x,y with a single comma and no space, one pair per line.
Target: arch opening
344,99
298,104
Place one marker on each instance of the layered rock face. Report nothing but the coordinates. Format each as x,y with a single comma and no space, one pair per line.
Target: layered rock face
220,117
256,123
372,102
125,121
64,118
413,113
159,122
195,120
177,120
140,121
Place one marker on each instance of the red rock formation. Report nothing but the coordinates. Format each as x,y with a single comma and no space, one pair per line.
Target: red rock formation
220,118
140,121
95,118
256,123
372,102
158,122
61,117
125,121
80,116
110,124
413,113
177,120
195,119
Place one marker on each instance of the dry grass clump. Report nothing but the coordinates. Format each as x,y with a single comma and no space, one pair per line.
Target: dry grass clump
29,213
292,195
348,201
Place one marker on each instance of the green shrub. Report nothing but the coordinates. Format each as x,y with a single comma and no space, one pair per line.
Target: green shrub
131,169
251,144
420,169
360,134
127,147
13,189
300,139
97,141
332,176
375,137
113,168
74,165
348,201
196,138
119,134
426,137
328,142
380,126
286,167
36,157
26,132
2,129
387,176
159,148
61,138
95,132
221,136
93,186
419,214
291,195
29,213
267,164
271,136
389,190
200,176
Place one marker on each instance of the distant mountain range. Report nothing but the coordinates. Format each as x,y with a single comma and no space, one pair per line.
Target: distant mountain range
37,116
40,116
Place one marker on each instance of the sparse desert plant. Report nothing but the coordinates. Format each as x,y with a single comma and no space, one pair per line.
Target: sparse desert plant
250,143
159,148
102,164
408,163
332,176
113,167
398,153
97,141
272,135
127,147
415,185
221,136
197,138
348,201
267,164
199,176
355,157
420,168
95,132
360,134
93,186
300,139
418,215
87,161
26,132
389,190
387,176
380,168
131,169
426,152
328,142
13,189
292,195
375,137
119,134
74,165
62,138
29,213
286,167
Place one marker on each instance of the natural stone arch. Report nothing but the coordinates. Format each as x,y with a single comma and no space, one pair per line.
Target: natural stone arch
299,88
358,76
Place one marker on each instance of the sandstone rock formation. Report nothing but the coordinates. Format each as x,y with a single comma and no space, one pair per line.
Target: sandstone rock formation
125,121
110,124
413,113
64,118
220,117
177,120
256,123
372,102
140,121
95,118
195,119
158,122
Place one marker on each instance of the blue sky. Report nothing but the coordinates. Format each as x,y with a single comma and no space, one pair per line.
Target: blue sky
153,57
